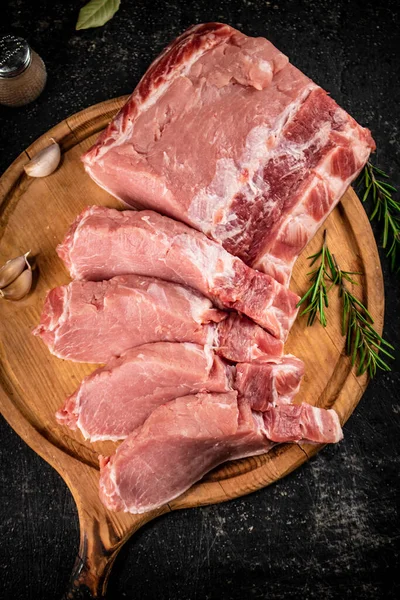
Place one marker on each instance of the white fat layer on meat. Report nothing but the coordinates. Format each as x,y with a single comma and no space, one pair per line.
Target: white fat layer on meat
282,318
278,369
101,184
337,184
265,66
258,420
77,406
212,205
256,353
102,438
197,305
212,200
275,396
208,258
273,265
204,258
212,336
253,452
209,355
73,272
195,348
158,292
317,419
115,489
300,222
66,292
158,233
285,367
120,136
336,424
283,399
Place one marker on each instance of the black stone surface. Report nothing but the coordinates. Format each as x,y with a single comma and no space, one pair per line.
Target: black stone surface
330,530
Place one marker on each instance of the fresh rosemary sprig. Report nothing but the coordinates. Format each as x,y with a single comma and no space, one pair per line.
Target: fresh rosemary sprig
386,209
362,341
317,295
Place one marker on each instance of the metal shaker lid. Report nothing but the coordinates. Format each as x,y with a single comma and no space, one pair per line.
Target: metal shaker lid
15,56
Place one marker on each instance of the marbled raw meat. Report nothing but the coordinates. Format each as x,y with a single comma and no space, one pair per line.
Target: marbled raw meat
88,321
104,242
239,339
92,321
269,383
116,399
223,133
184,439
297,422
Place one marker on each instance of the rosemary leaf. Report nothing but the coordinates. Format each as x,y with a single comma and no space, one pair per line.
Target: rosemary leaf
363,342
317,295
385,208
367,191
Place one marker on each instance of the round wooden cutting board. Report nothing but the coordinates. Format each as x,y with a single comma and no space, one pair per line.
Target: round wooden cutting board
35,214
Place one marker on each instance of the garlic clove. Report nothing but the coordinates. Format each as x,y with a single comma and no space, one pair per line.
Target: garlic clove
19,288
45,162
12,269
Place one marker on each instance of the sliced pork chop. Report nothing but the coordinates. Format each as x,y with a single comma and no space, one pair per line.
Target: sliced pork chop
104,242
88,321
185,438
223,133
114,400
178,444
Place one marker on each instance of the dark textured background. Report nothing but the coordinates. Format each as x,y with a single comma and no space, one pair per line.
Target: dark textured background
329,530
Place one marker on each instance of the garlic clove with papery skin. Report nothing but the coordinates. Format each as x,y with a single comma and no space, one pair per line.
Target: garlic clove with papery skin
19,288
13,268
44,162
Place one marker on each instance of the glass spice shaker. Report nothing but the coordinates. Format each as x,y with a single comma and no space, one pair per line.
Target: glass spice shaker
22,72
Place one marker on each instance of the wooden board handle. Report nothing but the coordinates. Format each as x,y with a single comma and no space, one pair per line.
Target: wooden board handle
102,535
90,573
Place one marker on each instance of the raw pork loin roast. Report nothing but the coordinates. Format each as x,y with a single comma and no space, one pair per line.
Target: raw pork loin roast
225,134
237,158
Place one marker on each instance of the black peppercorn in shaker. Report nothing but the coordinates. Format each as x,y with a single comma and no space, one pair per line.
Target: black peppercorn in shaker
22,72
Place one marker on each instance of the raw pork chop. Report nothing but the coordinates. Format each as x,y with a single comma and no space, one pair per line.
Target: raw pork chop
88,321
185,438
223,133
103,242
114,400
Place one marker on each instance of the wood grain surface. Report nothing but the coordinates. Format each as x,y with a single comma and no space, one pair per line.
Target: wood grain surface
35,214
